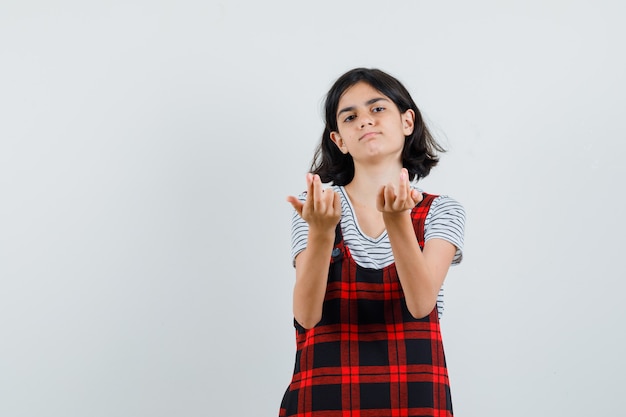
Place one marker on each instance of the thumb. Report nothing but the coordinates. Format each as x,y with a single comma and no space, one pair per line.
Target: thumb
417,196
296,204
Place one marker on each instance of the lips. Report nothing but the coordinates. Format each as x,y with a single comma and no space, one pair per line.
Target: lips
368,135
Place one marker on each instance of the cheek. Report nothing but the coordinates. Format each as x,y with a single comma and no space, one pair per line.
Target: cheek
343,133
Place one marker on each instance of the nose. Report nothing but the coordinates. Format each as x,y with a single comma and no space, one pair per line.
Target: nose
366,120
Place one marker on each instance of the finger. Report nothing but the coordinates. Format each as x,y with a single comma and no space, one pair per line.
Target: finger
296,204
390,196
309,189
403,191
336,204
406,178
318,202
328,195
309,183
417,196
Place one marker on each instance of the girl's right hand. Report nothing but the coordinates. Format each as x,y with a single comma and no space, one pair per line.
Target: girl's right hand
322,207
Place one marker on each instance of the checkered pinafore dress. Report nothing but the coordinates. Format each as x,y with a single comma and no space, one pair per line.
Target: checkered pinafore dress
368,357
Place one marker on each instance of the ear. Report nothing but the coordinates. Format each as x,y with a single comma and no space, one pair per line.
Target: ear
408,122
336,138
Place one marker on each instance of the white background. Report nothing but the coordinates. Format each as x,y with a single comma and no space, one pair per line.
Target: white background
147,148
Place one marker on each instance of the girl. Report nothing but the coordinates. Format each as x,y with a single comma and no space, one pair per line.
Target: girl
371,254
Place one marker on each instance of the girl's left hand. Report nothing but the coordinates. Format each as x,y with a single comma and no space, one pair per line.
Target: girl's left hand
389,201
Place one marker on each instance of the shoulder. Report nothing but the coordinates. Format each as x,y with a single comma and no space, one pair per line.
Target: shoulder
446,220
446,206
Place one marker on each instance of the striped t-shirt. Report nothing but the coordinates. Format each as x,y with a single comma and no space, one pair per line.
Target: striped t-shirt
445,220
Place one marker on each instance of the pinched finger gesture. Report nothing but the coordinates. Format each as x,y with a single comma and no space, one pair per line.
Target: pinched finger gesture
322,207
404,198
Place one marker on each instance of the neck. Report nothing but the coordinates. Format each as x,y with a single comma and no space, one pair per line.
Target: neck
367,182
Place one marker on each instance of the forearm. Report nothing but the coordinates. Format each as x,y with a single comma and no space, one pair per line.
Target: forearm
420,283
311,278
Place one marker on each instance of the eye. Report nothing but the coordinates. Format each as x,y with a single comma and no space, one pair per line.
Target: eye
378,109
349,118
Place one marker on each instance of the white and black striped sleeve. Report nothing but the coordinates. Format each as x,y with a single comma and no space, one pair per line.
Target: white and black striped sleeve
299,232
446,220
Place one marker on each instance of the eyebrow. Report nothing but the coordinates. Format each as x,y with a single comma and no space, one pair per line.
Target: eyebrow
367,103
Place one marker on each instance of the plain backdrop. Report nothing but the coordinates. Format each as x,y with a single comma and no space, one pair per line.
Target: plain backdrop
147,148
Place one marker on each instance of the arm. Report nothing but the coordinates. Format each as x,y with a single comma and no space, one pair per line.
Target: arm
421,274
321,210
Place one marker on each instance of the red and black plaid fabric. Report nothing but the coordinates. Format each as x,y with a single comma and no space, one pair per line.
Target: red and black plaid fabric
368,357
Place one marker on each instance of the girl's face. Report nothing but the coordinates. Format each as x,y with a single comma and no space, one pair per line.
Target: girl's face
370,125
